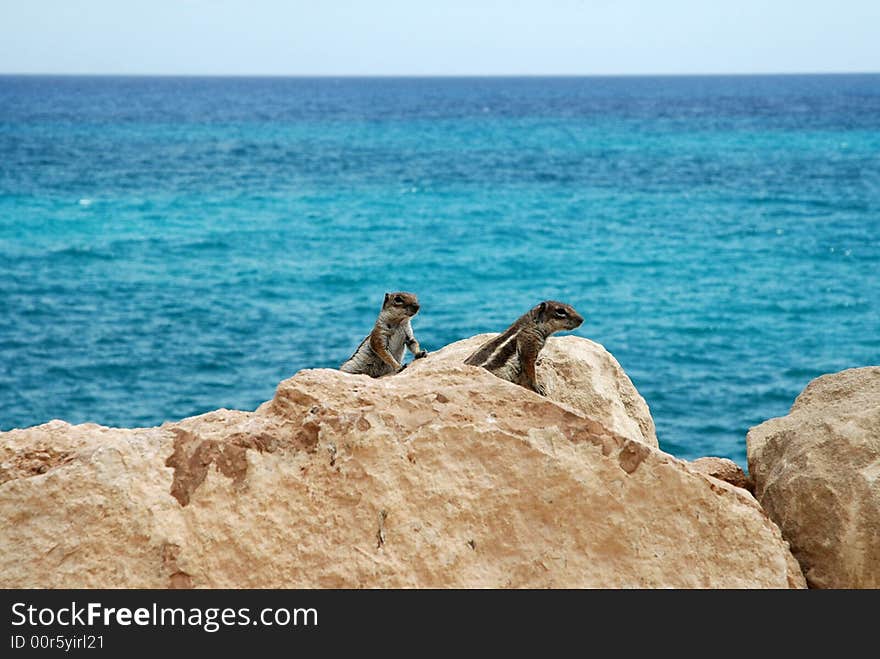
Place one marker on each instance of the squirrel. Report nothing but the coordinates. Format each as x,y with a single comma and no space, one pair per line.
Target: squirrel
512,355
381,352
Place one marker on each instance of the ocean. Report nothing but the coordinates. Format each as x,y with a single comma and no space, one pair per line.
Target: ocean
169,246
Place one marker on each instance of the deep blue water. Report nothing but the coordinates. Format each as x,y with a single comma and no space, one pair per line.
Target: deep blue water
169,246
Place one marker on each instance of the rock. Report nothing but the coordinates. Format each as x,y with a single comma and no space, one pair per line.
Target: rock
817,474
443,476
723,469
583,375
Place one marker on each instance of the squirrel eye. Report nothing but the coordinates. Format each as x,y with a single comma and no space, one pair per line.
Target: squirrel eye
398,299
561,313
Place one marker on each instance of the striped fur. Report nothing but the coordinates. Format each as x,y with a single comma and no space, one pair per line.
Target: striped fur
381,352
512,354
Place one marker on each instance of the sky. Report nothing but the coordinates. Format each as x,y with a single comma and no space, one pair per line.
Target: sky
443,37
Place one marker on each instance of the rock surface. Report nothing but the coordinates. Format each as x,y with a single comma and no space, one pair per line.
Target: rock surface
441,476
583,375
817,474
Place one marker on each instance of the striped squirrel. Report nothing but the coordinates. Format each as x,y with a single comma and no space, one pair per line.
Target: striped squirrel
381,352
512,355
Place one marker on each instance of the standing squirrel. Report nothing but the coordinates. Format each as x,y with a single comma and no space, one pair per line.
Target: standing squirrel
381,352
512,355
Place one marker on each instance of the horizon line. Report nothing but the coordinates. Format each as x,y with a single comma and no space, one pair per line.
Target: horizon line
433,75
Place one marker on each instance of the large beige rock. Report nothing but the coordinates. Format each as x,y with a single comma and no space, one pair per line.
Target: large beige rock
442,476
817,473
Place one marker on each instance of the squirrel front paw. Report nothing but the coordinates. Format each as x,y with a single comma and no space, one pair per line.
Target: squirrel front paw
402,367
539,389
420,354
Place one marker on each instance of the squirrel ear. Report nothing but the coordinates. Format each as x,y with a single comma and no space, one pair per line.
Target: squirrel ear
539,310
387,295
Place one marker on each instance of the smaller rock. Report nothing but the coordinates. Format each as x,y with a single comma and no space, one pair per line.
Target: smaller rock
725,470
817,475
576,372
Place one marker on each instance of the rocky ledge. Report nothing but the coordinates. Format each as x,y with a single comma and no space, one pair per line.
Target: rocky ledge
441,476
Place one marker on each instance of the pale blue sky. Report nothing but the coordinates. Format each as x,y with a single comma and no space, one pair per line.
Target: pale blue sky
446,37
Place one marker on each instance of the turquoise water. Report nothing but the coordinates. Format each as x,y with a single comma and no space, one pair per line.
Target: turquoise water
169,246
